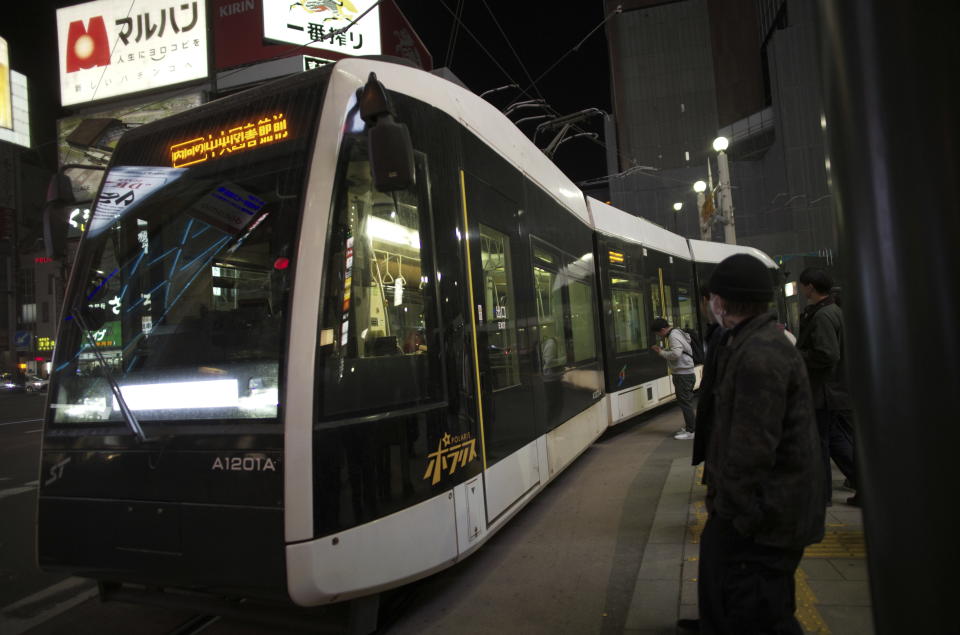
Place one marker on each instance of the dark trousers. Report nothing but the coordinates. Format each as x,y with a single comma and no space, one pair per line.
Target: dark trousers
835,428
745,588
683,384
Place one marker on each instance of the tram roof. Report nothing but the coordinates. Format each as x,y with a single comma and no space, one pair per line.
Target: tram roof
620,224
478,116
706,251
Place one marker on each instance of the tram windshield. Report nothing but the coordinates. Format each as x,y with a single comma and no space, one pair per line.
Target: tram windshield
181,288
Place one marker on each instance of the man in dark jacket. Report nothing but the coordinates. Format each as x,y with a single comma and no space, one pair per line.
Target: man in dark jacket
765,492
705,406
821,345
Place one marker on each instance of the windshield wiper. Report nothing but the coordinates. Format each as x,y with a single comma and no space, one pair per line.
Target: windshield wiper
128,415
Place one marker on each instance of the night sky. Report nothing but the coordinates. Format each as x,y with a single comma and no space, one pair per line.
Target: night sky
496,44
517,43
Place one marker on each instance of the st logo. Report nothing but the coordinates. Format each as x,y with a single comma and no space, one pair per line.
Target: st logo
87,47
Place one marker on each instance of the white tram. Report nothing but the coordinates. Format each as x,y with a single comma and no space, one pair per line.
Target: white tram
310,353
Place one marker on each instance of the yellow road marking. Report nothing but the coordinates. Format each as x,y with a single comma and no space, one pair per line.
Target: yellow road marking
807,613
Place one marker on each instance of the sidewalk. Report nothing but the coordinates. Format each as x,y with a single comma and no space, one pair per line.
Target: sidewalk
833,596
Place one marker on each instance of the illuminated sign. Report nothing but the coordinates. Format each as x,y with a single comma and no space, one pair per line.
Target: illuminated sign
453,452
117,47
310,62
238,25
14,98
77,221
317,24
246,136
228,207
616,257
45,344
6,97
107,336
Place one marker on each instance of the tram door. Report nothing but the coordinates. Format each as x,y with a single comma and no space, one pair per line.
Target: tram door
504,357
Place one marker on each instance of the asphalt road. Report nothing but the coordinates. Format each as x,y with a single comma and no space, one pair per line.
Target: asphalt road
566,564
20,424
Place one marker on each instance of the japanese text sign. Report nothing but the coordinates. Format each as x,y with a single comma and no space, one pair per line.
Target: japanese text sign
316,24
116,47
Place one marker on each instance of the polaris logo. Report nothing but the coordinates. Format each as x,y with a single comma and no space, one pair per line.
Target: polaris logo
244,464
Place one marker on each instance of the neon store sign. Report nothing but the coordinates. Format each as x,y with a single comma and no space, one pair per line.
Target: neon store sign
246,136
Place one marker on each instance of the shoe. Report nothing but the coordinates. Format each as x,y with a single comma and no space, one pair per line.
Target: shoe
683,436
854,500
689,625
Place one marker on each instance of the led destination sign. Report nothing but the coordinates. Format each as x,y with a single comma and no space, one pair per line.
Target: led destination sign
240,138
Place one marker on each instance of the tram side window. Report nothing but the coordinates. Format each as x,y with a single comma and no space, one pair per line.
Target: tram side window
656,300
661,297
629,319
687,306
499,307
383,306
379,310
549,299
581,319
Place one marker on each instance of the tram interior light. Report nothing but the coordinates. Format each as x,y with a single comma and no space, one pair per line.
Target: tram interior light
388,231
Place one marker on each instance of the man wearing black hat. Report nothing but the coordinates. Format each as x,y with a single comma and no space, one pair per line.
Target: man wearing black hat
764,495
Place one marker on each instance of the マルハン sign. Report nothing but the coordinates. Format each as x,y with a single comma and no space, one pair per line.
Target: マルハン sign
109,48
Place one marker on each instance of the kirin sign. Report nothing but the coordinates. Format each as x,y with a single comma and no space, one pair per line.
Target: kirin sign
109,48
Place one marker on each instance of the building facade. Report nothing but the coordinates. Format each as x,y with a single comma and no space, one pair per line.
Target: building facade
687,71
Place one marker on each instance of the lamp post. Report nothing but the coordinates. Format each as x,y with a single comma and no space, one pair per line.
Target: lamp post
676,208
726,200
700,187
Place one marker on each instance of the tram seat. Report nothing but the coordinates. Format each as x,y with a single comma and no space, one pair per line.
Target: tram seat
386,345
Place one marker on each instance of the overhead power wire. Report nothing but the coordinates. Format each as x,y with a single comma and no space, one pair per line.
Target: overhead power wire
480,44
523,67
454,31
617,10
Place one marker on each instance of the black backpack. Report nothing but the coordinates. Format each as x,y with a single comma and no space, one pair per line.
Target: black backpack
696,346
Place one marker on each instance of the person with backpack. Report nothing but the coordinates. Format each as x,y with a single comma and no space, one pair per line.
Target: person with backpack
680,357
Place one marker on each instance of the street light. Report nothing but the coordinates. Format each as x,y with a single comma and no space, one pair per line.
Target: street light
726,199
676,207
700,187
